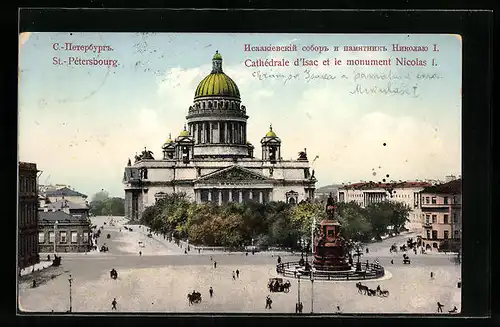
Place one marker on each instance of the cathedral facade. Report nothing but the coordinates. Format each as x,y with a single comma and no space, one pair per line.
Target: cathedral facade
212,161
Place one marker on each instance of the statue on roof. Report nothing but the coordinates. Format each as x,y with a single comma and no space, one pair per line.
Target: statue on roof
138,158
303,155
129,163
147,154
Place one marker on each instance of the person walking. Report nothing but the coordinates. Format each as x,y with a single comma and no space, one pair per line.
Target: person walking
211,291
215,264
237,273
211,259
338,310
440,307
454,310
113,304
432,275
140,253
268,302
392,262
234,278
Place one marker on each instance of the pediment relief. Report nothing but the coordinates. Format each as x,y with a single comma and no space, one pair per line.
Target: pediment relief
234,174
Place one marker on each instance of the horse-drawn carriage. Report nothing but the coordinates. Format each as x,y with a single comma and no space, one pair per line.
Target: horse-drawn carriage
113,274
194,297
278,285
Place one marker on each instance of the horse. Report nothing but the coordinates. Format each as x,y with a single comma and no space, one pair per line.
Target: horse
384,293
194,297
371,292
362,288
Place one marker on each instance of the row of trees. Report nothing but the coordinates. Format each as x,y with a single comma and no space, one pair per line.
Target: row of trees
273,223
102,205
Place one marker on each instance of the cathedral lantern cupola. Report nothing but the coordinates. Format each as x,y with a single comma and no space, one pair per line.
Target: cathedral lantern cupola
169,149
271,146
184,146
217,120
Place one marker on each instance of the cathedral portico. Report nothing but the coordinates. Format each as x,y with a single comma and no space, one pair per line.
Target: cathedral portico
212,160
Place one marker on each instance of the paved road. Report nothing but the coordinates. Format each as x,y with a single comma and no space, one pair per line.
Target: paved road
160,282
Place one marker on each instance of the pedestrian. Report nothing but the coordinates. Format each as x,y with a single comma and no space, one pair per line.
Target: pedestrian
432,275
211,258
338,310
48,257
234,278
392,262
367,251
268,302
279,259
454,310
440,307
237,273
198,251
185,251
211,291
113,304
140,253
246,253
215,264
34,283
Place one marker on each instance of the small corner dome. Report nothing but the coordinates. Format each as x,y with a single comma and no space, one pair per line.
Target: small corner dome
271,133
184,132
217,56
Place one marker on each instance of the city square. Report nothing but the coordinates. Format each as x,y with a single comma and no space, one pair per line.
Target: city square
160,279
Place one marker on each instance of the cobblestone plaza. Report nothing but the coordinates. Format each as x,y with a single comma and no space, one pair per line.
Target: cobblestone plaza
160,279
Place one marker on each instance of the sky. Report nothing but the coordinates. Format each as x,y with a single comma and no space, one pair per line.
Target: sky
80,124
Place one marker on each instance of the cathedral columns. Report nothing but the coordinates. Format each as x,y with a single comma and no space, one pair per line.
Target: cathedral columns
230,196
209,195
261,197
220,197
250,194
240,196
218,132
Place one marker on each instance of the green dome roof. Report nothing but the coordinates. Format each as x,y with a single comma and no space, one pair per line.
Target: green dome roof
271,133
184,132
217,56
217,83
169,139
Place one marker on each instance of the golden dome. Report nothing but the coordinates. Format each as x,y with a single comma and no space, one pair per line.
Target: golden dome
217,83
169,139
184,132
271,133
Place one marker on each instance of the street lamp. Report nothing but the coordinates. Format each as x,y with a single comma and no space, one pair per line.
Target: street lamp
298,291
312,291
55,231
70,302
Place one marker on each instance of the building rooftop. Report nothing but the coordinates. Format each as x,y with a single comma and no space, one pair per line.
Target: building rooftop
65,192
60,204
328,188
50,217
374,185
453,187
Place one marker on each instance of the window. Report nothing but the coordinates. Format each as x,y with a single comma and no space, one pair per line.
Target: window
63,237
445,200
41,237
74,237
428,234
427,200
434,219
446,234
427,219
456,234
330,232
85,237
433,200
445,219
51,237
434,234
455,218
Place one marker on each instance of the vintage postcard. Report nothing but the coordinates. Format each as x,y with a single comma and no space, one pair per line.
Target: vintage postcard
240,173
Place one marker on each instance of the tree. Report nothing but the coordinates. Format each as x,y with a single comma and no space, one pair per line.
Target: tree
102,204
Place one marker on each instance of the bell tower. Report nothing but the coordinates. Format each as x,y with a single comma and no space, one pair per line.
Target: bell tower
271,146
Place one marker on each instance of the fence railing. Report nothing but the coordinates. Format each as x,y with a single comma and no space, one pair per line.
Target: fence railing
371,271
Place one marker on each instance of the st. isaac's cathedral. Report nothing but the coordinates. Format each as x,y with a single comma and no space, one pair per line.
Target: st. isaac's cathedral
212,161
